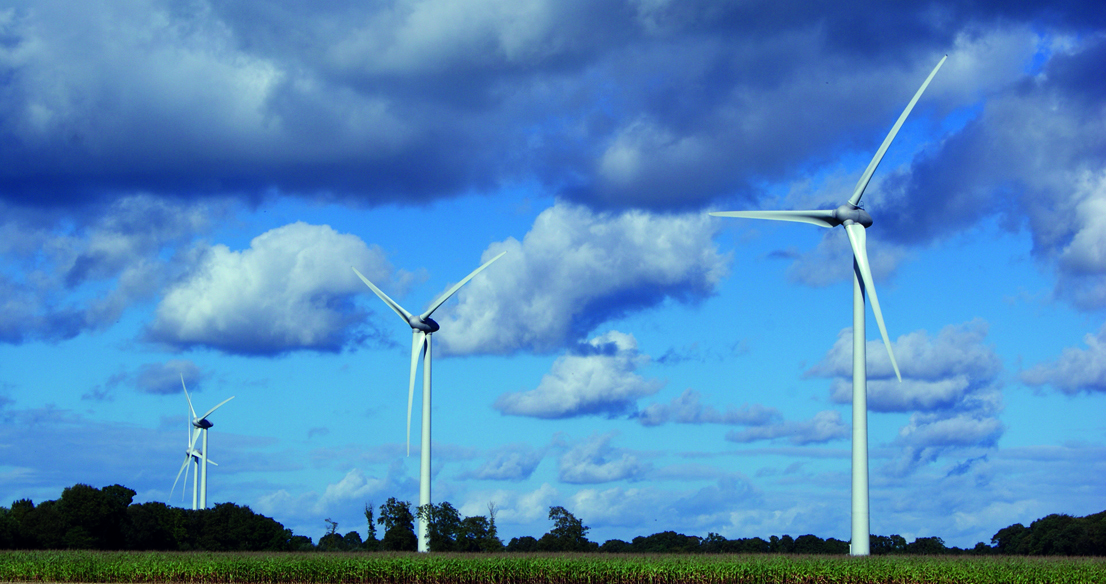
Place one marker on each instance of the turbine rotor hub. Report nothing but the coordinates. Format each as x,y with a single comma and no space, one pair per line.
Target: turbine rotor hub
426,325
852,213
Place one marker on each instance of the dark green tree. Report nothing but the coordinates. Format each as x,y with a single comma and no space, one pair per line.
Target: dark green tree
781,545
1054,535
371,543
927,546
300,543
492,543
443,523
8,529
154,526
666,542
713,544
616,546
569,534
106,518
331,541
524,544
472,535
752,545
879,545
809,544
230,527
1012,540
40,526
835,546
94,518
352,541
399,526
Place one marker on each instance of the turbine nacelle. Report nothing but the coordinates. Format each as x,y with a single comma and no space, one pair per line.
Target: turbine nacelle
426,325
202,423
849,212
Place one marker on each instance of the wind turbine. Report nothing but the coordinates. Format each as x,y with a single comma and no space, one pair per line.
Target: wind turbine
422,326
190,455
200,425
856,220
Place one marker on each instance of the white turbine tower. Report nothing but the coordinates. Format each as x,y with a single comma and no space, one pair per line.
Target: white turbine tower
422,326
200,425
856,220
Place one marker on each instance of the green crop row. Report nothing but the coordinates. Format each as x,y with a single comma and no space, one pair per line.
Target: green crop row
219,568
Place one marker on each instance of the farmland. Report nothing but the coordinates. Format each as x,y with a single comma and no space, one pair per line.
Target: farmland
202,567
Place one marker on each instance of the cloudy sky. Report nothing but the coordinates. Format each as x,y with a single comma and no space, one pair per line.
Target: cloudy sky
184,185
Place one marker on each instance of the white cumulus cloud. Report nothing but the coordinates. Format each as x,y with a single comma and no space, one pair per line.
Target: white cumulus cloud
292,289
511,463
576,269
686,409
823,427
1076,370
595,461
950,382
598,379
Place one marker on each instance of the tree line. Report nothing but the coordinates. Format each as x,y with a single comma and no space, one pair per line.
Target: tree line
85,517
89,518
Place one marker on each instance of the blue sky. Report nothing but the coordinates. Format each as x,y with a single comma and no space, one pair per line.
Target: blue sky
184,186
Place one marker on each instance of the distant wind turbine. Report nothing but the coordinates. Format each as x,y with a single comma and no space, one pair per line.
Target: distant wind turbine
422,326
199,426
191,455
856,220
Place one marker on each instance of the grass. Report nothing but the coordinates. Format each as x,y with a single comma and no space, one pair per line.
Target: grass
238,567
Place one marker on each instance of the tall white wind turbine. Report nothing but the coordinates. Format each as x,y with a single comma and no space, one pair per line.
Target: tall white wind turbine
201,425
422,326
856,220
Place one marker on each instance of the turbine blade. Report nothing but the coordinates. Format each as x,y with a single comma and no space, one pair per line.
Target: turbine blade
194,433
191,410
457,287
391,303
188,467
821,218
867,176
859,240
182,469
417,337
209,412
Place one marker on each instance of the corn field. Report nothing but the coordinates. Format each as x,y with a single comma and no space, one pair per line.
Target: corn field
402,568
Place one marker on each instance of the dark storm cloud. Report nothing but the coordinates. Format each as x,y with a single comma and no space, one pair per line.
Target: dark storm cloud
658,104
62,264
1034,154
1022,148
